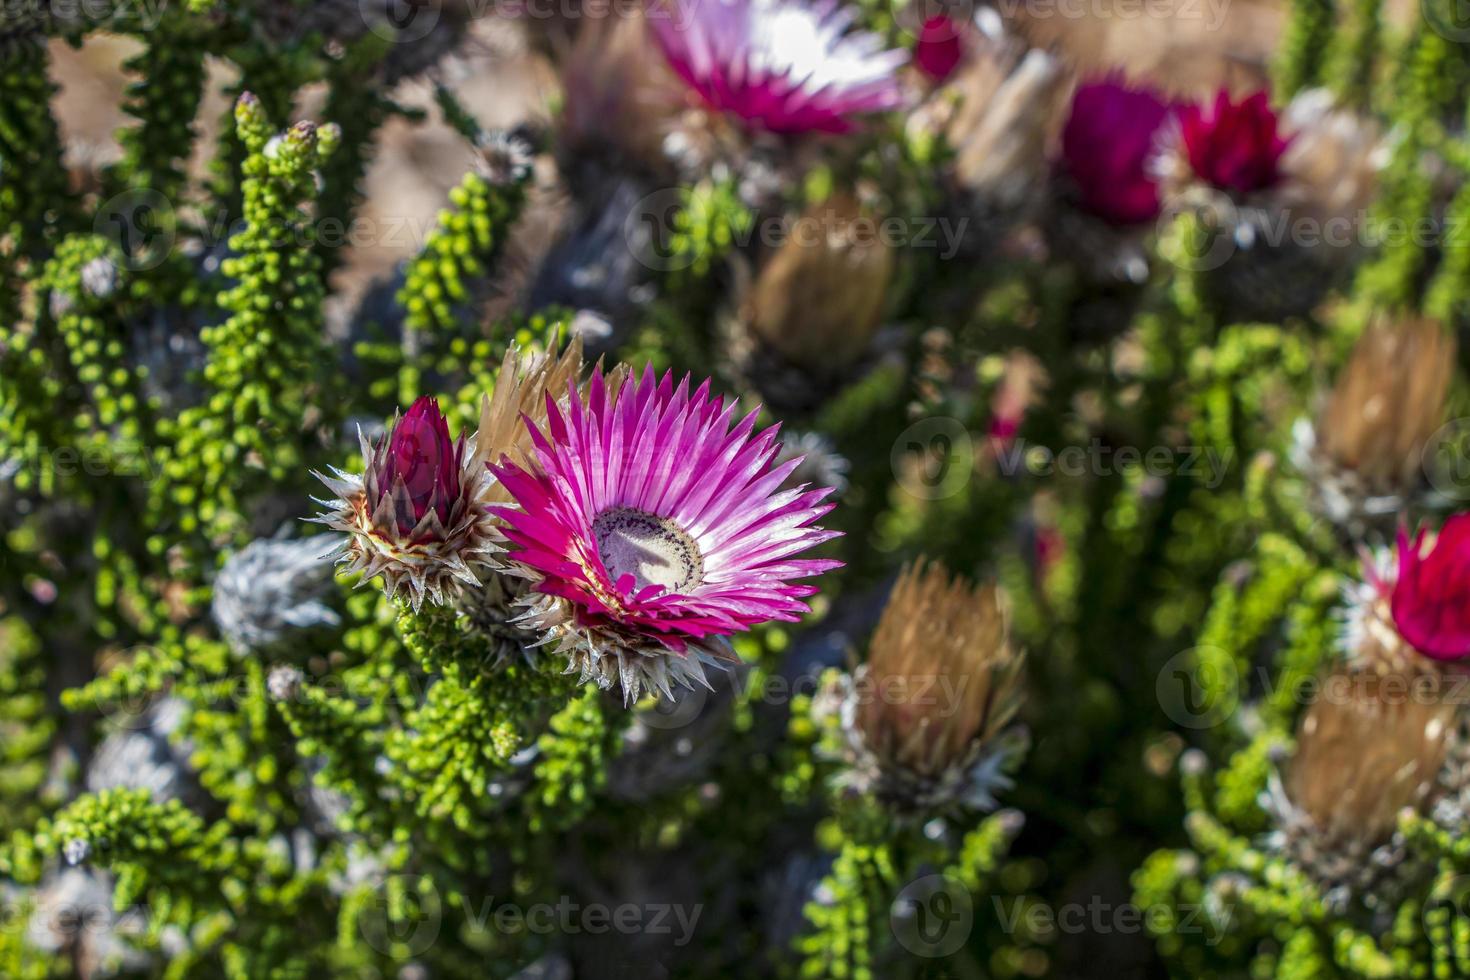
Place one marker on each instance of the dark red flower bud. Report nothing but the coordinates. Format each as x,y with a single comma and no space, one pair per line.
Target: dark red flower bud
423,457
1234,146
1108,145
939,48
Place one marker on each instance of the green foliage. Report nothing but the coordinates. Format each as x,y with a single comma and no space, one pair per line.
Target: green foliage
365,797
26,726
164,97
1308,33
458,252
266,380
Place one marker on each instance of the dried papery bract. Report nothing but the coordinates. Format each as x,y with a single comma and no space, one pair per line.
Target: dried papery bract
924,722
620,103
942,655
1178,52
520,392
1364,456
1387,402
818,300
522,387
1000,130
1331,166
1369,748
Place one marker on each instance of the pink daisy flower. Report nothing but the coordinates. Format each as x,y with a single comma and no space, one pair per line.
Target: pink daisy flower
653,528
786,66
1234,146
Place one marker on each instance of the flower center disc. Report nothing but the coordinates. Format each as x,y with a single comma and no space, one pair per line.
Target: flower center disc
651,549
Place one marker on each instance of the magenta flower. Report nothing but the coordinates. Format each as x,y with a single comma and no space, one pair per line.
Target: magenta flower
1430,598
653,529
786,66
1108,145
939,49
1234,146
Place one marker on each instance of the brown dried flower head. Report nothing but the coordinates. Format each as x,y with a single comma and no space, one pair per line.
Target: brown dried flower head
1370,747
1332,165
942,674
1007,103
819,299
618,95
1387,402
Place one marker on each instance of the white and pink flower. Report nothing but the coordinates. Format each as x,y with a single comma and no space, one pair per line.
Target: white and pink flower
651,522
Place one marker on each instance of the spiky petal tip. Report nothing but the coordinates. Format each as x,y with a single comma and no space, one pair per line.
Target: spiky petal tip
652,525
